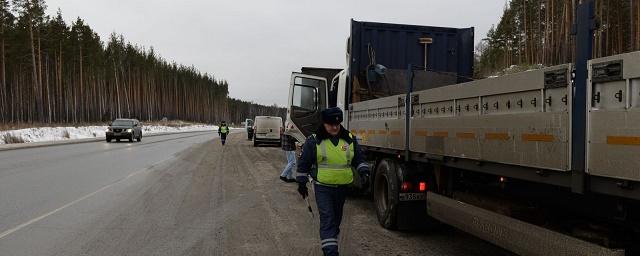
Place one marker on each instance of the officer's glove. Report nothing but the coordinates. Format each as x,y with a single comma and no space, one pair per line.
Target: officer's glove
303,190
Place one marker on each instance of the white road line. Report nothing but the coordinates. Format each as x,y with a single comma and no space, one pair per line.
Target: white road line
34,220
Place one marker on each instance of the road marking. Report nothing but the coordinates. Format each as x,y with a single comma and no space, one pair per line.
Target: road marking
34,220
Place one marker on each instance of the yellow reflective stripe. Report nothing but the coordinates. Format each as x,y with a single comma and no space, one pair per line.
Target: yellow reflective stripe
623,140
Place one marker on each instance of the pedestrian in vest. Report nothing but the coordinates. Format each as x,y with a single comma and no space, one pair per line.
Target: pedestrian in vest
223,130
334,151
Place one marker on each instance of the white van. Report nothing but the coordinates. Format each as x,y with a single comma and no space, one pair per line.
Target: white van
267,129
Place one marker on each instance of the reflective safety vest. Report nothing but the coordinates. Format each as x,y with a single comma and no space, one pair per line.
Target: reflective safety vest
224,129
334,162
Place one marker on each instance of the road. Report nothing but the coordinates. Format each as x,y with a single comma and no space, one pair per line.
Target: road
181,195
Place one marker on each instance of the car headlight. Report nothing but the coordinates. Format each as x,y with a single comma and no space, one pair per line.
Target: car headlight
129,130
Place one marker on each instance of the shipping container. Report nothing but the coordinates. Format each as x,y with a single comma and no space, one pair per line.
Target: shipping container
444,54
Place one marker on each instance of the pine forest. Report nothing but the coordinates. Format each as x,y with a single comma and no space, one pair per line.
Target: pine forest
54,72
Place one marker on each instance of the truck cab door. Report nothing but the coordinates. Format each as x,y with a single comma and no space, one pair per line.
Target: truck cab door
307,98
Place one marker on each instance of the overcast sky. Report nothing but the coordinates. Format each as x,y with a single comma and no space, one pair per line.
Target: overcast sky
255,45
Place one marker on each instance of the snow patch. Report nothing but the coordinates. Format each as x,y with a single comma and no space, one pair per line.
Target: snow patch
43,134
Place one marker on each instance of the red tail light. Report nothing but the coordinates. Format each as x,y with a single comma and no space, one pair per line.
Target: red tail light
405,186
423,186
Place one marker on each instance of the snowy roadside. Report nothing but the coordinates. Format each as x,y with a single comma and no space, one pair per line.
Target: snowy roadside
48,134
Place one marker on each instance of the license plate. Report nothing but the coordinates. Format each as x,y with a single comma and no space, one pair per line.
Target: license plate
412,196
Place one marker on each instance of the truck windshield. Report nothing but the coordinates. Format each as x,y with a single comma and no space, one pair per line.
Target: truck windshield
122,123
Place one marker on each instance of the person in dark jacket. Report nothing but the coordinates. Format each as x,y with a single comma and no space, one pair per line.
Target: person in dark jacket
289,147
328,156
223,131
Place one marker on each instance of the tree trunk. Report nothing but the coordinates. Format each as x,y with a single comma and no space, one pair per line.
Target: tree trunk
3,76
115,73
40,84
81,109
33,63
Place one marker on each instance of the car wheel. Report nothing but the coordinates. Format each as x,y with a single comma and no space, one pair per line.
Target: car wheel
108,140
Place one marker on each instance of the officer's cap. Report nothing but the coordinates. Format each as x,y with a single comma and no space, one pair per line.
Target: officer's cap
332,115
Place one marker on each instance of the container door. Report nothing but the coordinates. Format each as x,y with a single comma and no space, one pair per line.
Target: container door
307,97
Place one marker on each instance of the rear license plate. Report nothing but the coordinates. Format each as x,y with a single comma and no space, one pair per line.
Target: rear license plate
412,196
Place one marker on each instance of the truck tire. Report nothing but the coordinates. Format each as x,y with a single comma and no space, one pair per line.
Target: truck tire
385,194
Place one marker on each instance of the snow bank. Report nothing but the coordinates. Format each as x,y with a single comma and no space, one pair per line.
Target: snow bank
43,134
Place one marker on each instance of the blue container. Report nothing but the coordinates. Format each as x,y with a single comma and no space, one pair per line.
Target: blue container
395,46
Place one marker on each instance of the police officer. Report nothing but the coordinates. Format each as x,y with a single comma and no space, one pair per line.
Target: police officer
328,156
223,130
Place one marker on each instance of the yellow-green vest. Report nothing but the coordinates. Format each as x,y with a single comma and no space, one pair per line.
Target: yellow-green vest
334,162
224,129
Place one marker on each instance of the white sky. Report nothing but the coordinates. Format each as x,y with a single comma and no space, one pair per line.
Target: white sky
255,45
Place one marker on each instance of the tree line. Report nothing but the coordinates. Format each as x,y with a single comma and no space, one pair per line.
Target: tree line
538,32
54,72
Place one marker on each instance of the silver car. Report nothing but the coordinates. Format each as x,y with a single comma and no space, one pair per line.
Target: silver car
124,129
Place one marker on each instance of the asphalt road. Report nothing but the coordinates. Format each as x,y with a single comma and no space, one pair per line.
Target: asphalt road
181,195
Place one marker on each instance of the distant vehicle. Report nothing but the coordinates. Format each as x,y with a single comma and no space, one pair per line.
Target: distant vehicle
267,130
124,129
248,125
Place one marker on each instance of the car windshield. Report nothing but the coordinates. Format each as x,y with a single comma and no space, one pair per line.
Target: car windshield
122,123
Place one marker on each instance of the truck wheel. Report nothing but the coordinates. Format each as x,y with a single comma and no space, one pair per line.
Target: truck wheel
385,194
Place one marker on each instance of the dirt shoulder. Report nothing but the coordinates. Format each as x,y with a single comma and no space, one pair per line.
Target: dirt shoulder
215,200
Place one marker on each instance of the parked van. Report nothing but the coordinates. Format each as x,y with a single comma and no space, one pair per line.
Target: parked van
267,129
